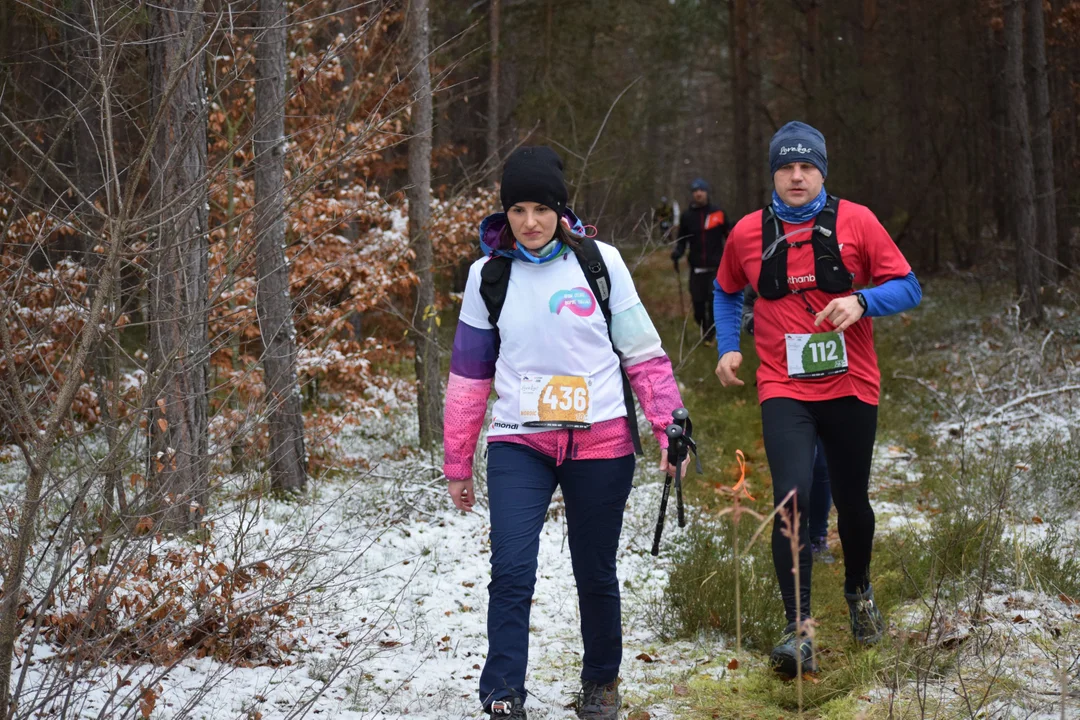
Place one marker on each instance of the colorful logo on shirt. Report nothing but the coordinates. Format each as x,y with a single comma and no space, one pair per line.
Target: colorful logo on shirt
577,300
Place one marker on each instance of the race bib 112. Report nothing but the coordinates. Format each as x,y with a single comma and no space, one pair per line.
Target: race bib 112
816,355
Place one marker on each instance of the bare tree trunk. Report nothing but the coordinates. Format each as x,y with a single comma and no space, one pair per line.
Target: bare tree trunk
1023,174
428,391
813,62
1042,145
740,100
1066,149
287,460
759,184
179,308
866,33
495,21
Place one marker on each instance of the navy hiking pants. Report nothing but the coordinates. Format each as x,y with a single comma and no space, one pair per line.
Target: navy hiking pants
521,482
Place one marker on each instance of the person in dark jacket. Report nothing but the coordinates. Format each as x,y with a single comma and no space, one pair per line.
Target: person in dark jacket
703,229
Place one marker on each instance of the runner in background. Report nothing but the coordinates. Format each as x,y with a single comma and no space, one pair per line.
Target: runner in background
703,230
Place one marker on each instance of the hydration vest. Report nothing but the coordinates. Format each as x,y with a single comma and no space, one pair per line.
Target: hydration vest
829,272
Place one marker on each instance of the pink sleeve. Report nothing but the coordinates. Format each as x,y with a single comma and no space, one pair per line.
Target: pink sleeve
463,418
654,384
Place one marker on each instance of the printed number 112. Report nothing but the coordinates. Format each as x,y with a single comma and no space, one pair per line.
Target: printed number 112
824,351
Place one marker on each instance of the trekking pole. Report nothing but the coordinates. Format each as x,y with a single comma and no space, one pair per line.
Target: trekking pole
681,418
679,444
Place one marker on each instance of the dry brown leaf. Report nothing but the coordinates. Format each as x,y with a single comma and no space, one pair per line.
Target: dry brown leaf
681,690
639,715
1037,520
733,664
163,424
147,702
644,657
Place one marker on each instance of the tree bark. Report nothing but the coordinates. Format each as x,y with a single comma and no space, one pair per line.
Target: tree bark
760,186
287,457
179,310
1042,145
740,101
495,22
1066,67
428,391
813,61
1023,174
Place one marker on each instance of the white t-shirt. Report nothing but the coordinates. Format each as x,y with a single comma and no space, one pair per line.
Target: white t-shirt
555,360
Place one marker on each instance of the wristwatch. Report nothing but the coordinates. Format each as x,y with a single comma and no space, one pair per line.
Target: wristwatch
862,300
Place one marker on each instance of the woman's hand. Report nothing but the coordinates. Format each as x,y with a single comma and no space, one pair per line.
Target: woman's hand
461,491
668,467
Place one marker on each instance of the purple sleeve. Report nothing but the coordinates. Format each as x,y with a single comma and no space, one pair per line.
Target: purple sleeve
654,384
474,352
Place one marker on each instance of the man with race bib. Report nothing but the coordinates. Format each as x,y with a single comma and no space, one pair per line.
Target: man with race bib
807,255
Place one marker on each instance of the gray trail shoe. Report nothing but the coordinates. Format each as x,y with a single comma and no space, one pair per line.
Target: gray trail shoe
867,624
785,656
598,702
508,707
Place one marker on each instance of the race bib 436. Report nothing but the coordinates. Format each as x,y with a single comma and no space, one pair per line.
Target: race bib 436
555,401
816,355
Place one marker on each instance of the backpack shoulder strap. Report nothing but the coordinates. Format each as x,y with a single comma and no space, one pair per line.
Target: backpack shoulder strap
494,280
596,273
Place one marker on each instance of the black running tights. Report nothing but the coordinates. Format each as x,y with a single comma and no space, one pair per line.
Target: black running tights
847,427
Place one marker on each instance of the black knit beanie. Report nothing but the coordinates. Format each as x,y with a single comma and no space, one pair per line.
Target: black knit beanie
534,174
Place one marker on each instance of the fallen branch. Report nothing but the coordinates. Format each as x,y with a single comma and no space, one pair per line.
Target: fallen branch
1033,396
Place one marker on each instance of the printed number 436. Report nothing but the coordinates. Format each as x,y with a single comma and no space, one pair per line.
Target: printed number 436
571,398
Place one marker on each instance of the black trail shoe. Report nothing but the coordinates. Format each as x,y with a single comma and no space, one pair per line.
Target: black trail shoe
598,702
784,657
867,624
508,707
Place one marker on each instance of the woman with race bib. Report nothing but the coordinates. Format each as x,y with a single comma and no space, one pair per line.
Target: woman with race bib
806,255
535,324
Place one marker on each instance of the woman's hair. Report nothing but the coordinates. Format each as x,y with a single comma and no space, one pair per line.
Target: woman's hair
562,233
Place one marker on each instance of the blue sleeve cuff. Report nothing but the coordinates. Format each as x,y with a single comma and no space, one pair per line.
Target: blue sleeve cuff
892,296
727,314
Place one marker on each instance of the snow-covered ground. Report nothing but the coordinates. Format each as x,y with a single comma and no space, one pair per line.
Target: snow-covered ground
388,592
391,619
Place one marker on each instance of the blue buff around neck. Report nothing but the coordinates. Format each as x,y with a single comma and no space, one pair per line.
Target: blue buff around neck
796,215
523,254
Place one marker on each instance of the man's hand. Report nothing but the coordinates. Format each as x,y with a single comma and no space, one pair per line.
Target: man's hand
728,367
461,491
841,312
